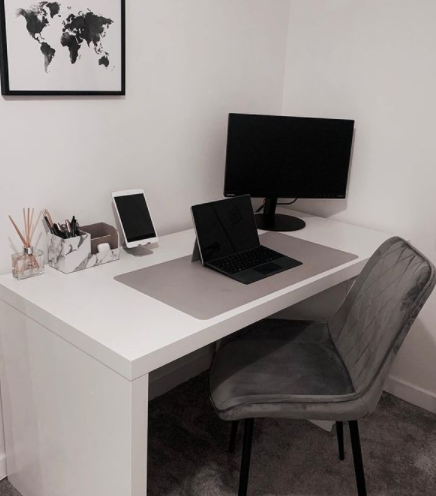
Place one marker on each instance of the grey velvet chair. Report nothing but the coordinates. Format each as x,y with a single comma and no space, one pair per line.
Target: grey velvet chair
331,370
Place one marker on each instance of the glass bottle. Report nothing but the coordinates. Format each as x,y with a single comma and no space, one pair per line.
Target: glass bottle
29,263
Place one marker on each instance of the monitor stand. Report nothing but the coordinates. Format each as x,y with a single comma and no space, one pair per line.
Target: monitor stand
270,221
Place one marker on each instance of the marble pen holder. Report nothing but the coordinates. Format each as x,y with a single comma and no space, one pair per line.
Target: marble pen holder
79,253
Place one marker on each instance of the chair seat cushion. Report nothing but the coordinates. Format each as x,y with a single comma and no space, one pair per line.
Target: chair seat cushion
277,368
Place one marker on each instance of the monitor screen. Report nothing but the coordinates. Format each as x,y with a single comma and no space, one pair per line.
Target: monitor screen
225,227
287,157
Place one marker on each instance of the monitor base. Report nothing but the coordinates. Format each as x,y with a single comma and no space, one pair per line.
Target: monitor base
279,222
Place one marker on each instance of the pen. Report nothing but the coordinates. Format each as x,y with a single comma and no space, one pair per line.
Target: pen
48,224
75,226
56,231
47,214
69,231
59,230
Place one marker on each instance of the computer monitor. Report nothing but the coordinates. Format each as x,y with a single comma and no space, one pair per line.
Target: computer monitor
275,157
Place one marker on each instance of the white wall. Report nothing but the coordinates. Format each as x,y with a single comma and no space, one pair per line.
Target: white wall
373,61
189,63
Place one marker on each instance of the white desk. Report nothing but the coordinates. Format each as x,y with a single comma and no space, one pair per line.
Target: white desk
76,351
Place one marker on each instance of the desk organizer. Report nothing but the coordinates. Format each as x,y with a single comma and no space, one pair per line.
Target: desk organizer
79,253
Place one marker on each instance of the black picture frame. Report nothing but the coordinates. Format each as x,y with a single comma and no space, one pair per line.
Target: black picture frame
4,67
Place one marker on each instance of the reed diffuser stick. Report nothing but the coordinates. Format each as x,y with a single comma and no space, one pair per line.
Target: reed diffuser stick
18,231
25,226
30,225
34,227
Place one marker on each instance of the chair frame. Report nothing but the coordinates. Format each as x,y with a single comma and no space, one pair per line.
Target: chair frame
248,444
379,374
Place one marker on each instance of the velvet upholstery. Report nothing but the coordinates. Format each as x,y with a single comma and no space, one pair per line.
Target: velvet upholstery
326,370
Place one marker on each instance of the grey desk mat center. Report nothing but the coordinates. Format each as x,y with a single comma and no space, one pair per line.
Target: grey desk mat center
204,293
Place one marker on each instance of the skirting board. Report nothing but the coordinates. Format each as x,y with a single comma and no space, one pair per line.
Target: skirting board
3,472
410,393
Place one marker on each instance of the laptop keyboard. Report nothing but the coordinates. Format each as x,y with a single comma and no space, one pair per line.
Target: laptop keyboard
246,259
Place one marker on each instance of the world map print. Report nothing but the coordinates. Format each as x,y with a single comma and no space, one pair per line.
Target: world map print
80,30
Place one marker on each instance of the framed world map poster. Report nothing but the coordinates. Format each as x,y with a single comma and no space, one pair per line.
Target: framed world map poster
62,47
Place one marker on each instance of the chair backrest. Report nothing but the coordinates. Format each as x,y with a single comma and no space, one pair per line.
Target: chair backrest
378,312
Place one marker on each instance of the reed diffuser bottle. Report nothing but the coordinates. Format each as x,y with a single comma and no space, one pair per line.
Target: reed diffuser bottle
30,262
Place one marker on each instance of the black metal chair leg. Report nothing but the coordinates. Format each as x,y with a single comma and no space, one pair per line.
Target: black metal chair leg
340,434
357,456
246,455
233,435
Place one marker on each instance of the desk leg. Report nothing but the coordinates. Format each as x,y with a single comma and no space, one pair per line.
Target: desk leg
139,435
73,427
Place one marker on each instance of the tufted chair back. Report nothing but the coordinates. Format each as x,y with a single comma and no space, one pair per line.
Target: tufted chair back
377,314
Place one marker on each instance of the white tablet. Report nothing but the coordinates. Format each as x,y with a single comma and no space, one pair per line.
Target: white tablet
135,218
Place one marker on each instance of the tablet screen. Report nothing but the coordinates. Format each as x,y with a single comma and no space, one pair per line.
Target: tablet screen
225,227
135,217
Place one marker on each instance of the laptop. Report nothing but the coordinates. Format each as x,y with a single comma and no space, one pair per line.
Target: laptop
228,241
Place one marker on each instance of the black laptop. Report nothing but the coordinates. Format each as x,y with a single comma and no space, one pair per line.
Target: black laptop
229,243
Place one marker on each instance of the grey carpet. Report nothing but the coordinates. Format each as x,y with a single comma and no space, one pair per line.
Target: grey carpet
188,452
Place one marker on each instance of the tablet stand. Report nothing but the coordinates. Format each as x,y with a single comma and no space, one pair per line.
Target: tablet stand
196,252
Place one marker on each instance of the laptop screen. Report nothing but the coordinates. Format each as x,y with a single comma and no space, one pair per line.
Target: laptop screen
225,227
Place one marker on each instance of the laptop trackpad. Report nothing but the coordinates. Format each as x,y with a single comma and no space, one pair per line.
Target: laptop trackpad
268,268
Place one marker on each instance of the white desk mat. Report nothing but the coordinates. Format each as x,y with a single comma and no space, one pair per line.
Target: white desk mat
204,293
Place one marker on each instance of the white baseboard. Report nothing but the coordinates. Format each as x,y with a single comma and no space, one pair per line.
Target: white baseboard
3,472
410,393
